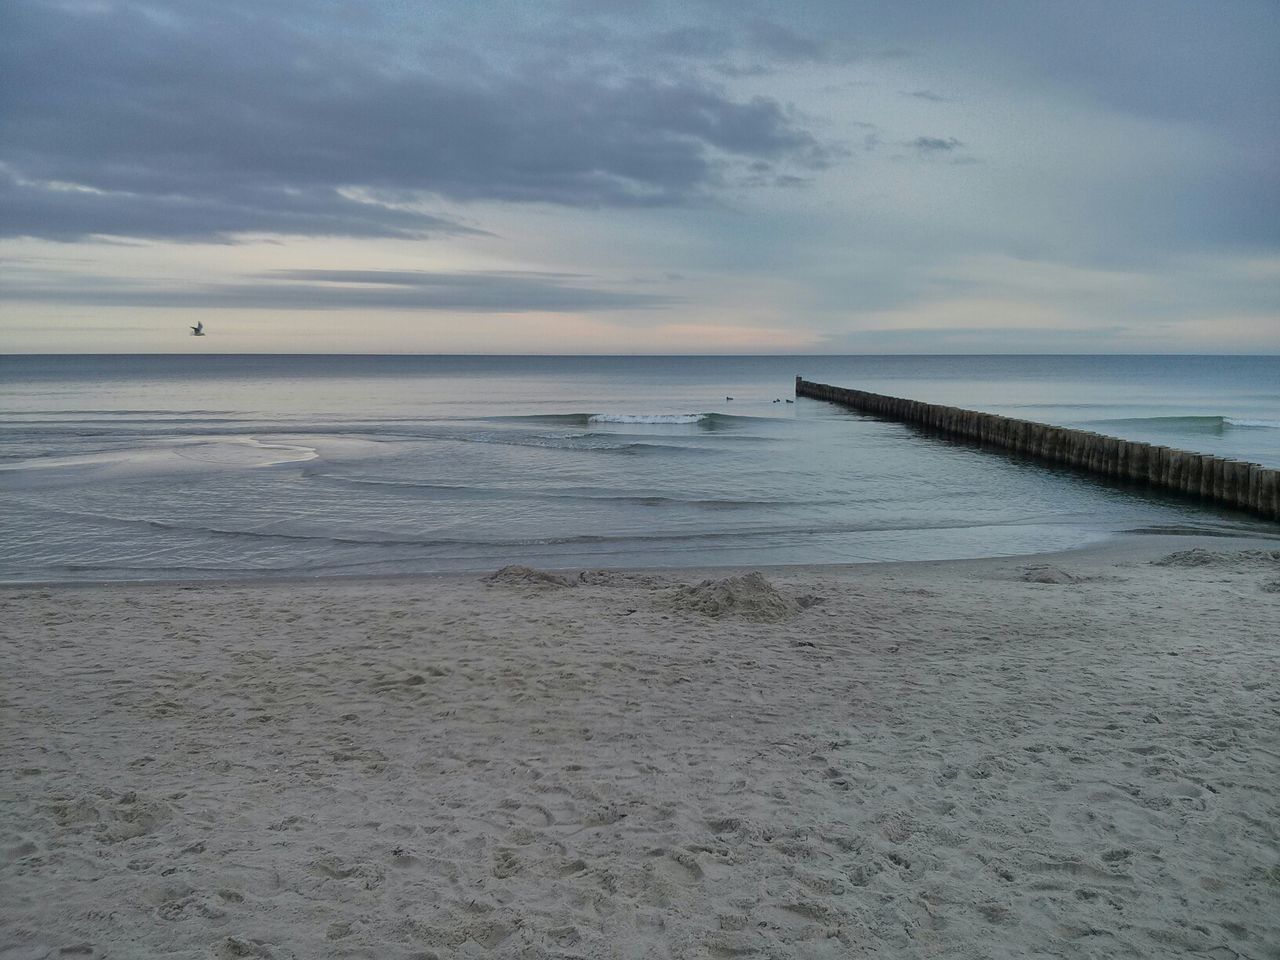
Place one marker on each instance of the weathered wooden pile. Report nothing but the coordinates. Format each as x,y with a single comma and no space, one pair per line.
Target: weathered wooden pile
1232,483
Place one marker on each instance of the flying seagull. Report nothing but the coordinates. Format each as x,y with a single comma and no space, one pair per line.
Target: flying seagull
198,329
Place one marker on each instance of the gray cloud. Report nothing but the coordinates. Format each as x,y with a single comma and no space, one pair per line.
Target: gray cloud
926,95
204,125
746,44
463,292
935,144
691,42
1027,339
1139,135
419,278
67,214
784,43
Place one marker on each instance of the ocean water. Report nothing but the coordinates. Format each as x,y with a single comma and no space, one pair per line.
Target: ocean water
163,467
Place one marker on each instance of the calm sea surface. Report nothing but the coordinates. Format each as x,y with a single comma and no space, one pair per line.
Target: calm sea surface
249,466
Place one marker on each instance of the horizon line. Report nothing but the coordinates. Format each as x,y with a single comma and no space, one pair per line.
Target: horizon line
654,356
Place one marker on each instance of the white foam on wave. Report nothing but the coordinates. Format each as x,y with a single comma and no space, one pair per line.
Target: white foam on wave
243,452
646,417
1243,422
161,457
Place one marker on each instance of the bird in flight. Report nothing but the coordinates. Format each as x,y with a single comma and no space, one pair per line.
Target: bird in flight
198,329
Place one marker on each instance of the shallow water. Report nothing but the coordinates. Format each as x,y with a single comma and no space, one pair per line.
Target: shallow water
162,467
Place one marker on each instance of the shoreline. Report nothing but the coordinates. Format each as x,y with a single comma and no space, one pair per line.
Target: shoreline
1117,544
1066,754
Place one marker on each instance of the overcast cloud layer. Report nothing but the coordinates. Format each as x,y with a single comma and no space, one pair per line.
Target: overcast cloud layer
803,176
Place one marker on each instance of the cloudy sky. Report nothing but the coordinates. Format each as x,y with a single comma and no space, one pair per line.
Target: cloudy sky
623,176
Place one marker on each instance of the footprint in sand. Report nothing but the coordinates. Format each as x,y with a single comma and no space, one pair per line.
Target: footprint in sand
505,864
364,875
234,947
18,851
679,866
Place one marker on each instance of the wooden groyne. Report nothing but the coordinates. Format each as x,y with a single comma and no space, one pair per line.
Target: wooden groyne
1231,483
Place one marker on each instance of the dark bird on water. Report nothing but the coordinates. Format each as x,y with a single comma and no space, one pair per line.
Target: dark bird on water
198,329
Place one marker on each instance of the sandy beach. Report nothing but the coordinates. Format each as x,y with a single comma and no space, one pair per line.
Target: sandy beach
1068,756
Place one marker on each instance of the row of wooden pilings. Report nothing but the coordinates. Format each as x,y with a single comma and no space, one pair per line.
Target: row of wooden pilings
1232,483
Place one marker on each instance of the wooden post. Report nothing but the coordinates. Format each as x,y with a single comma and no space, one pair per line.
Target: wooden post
1244,486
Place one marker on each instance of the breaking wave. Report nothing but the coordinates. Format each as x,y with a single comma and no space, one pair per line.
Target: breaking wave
1203,424
646,417
1243,422
707,421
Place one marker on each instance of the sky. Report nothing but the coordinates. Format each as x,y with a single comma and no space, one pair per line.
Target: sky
703,176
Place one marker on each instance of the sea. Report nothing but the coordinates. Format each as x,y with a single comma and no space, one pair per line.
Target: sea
191,467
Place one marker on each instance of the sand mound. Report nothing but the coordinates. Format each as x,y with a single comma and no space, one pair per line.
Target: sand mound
518,576
1049,575
749,597
1199,557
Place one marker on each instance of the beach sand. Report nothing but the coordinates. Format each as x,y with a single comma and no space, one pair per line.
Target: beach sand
1075,756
